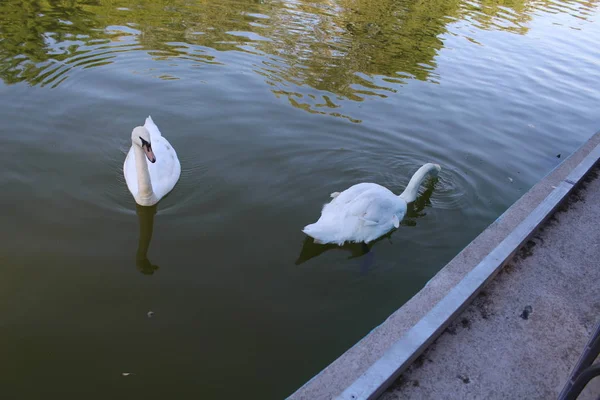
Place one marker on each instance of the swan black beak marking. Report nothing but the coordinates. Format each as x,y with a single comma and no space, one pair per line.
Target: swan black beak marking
149,153
147,147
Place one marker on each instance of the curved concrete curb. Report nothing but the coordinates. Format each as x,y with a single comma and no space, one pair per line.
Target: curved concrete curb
361,374
381,374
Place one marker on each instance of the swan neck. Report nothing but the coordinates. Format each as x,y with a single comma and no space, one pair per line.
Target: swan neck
412,189
145,192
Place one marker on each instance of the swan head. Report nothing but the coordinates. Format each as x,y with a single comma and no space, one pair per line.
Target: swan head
141,137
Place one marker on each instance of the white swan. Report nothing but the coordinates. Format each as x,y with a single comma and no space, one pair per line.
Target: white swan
151,168
365,211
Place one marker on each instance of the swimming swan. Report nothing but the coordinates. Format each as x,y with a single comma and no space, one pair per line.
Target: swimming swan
151,168
365,211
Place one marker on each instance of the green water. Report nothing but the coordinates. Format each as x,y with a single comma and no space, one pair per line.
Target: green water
271,105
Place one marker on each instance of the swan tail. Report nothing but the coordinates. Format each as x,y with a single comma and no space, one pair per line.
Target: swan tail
312,230
334,195
320,234
410,193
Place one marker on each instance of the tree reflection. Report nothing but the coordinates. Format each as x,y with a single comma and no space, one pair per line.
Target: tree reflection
344,49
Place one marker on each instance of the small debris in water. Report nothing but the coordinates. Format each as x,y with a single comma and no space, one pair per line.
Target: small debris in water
126,373
526,311
510,179
150,314
464,378
558,155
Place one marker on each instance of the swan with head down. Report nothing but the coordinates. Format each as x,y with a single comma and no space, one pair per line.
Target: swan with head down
366,211
151,168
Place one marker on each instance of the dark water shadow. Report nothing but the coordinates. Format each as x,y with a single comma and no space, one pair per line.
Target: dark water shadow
146,222
414,211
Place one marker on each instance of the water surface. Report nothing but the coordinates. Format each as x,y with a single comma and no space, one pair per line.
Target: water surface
271,105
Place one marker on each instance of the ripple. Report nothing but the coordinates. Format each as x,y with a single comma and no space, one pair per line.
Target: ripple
330,47
191,188
452,189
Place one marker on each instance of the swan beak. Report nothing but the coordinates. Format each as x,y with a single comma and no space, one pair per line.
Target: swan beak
149,153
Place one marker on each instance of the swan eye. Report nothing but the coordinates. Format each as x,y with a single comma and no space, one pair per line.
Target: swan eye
145,143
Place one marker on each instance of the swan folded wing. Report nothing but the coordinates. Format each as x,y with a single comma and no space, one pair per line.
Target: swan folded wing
152,128
394,220
165,172
336,221
368,222
368,210
365,219
350,195
375,211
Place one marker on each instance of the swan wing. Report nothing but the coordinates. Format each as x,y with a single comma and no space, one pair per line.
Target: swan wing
152,128
353,193
358,219
165,172
378,217
374,208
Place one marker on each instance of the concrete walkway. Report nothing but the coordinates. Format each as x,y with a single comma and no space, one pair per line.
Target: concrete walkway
519,338
523,334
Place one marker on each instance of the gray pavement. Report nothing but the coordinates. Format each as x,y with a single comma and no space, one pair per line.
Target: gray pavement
523,334
357,361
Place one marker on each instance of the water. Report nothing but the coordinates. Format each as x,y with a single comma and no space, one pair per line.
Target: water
271,106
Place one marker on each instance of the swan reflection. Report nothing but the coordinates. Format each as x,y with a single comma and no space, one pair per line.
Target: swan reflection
146,222
414,210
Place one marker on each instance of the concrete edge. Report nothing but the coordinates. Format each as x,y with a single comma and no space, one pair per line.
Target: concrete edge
348,368
386,369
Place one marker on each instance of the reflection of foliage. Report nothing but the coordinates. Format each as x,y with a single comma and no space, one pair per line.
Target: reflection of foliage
347,48
34,32
340,49
512,15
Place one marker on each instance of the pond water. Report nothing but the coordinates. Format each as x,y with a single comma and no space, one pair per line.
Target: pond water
271,105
